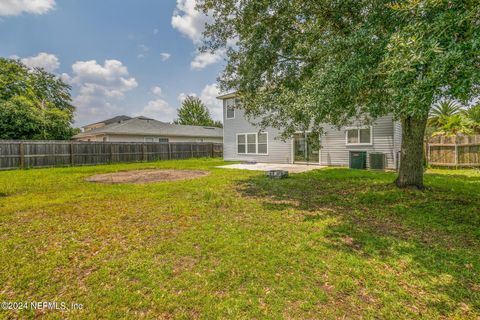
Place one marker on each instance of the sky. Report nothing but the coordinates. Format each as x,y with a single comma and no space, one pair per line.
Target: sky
132,57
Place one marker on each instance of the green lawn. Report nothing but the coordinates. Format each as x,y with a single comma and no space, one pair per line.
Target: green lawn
330,243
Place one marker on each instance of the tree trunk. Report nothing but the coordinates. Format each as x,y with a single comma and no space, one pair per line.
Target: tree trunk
411,156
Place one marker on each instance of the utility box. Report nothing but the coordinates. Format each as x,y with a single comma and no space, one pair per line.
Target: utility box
358,159
377,161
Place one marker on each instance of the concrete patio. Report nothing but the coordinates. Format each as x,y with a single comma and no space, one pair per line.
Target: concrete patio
292,168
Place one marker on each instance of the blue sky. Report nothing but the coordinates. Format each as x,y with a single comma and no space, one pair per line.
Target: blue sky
120,56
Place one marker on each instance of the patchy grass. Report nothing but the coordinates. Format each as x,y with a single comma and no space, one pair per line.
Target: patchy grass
331,243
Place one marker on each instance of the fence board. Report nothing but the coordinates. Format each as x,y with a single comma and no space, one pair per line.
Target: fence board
461,151
36,154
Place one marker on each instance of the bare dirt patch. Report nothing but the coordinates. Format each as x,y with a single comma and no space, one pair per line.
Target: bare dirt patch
147,176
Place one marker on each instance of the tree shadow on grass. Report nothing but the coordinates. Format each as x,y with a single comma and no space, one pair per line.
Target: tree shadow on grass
437,229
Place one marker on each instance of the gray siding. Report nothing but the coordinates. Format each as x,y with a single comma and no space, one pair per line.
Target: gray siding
397,135
335,152
397,140
141,138
278,151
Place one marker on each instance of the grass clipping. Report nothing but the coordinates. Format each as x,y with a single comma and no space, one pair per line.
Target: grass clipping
146,176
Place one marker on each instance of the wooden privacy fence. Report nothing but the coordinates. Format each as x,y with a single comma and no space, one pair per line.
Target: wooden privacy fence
37,154
458,151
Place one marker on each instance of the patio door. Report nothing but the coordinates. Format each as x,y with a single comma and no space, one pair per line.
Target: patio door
306,147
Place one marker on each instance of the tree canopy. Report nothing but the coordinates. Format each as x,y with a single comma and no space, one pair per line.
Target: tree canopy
300,64
34,104
195,113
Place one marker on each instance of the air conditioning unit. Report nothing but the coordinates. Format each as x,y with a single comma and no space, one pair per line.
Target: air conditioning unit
358,160
378,161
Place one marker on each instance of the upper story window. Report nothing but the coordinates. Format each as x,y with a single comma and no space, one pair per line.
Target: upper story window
163,140
230,108
359,136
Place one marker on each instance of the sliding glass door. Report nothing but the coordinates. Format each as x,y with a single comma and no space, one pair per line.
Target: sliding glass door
306,147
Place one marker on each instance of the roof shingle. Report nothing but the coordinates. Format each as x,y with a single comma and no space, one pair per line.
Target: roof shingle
146,126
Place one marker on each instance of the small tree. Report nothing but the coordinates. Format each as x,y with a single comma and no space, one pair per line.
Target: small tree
194,112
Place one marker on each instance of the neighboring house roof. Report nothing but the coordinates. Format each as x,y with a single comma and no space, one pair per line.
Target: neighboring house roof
150,127
110,121
227,96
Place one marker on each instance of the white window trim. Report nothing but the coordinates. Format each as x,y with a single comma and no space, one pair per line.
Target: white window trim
145,139
246,144
236,142
266,153
358,128
226,109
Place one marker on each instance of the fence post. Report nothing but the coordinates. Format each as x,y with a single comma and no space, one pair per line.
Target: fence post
456,153
169,152
111,152
22,155
191,150
144,152
427,147
211,146
72,155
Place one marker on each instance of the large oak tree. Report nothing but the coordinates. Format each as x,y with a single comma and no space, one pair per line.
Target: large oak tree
299,63
34,104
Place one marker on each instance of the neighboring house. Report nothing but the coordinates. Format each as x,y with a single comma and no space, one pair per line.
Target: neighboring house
142,129
353,146
103,123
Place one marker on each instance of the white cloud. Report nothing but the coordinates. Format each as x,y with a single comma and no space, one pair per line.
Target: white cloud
143,51
155,31
188,20
208,96
164,56
16,7
182,96
156,91
191,23
99,87
159,110
47,61
204,59
111,74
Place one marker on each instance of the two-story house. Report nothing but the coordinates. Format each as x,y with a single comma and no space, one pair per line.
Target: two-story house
376,145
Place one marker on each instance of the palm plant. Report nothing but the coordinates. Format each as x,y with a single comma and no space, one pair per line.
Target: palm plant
440,113
454,125
473,114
